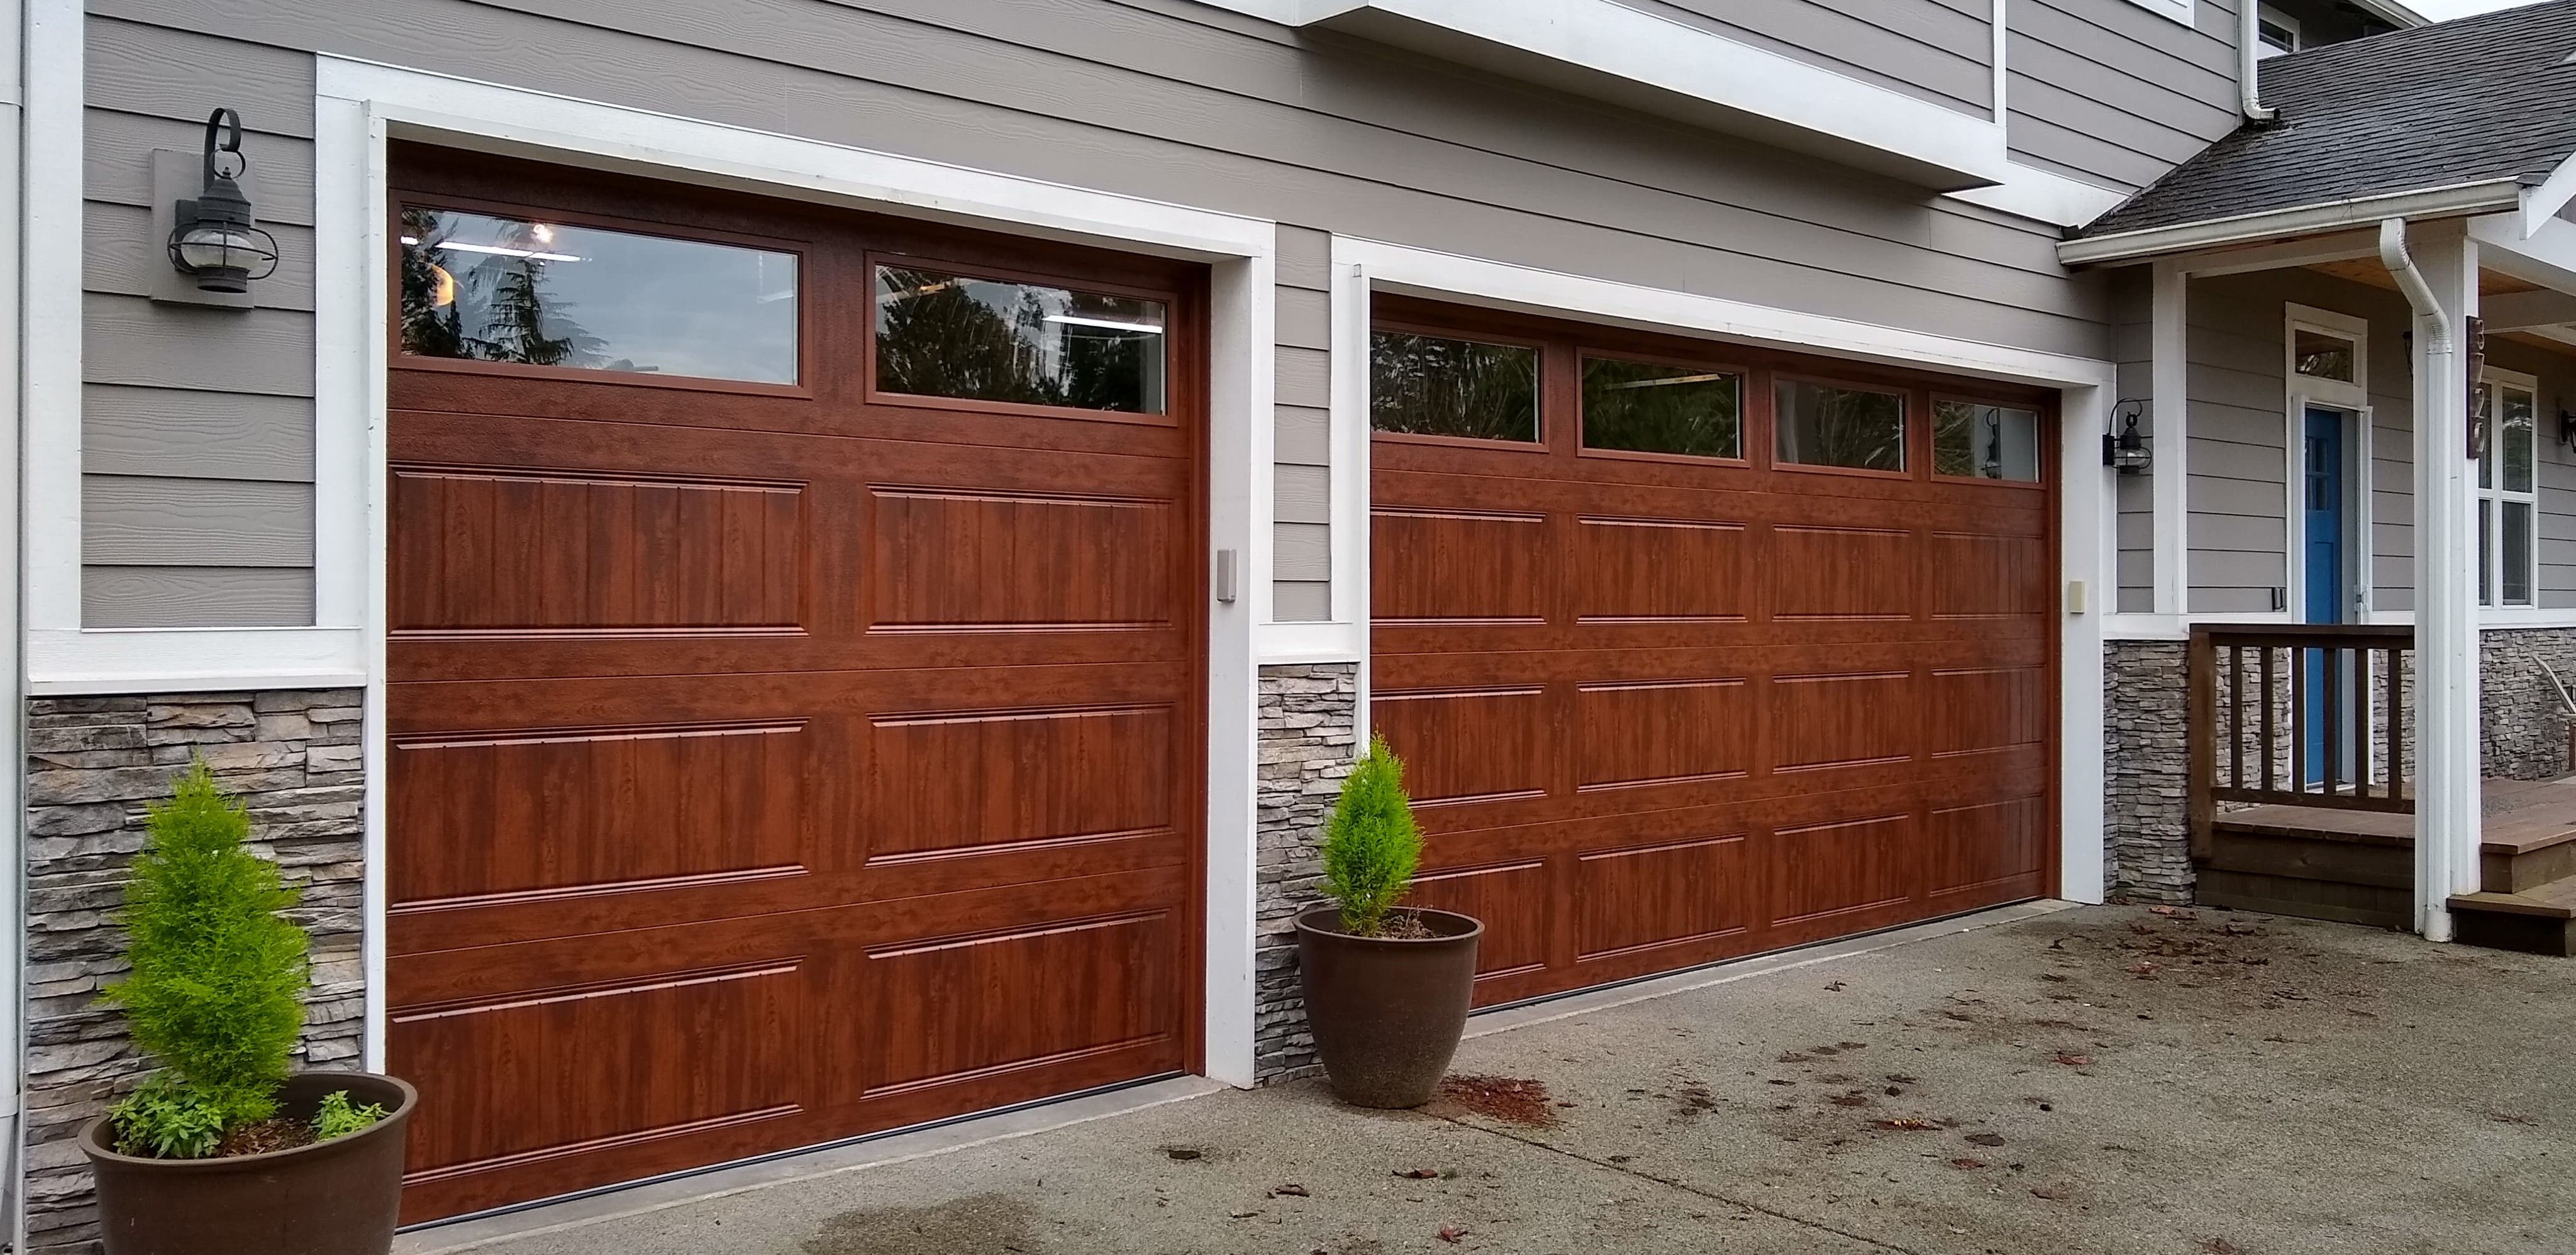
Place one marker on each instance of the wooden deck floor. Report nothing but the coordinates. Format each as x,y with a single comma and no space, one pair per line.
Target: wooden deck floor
2359,866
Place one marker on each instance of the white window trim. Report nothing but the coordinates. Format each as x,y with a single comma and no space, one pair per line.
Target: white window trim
2298,34
2330,392
2494,491
2179,10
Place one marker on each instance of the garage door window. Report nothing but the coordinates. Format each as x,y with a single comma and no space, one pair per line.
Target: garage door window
1824,424
941,334
520,291
1647,407
1426,385
1973,440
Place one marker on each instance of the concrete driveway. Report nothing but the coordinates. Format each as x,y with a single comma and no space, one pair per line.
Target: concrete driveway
2091,1080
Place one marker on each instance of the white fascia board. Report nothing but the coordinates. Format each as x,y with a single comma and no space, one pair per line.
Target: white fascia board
2456,200
1609,51
2544,202
2045,196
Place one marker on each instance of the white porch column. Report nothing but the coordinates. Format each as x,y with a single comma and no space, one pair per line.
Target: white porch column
2168,417
2447,773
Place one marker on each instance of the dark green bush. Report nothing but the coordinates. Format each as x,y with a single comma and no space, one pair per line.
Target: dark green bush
1371,846
216,997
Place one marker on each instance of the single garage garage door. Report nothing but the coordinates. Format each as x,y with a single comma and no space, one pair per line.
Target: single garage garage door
796,674
1696,651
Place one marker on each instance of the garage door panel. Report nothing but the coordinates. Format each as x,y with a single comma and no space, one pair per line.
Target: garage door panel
1629,570
1975,576
948,560
1512,900
1842,867
1978,710
1661,896
1654,733
506,656
579,1068
1989,849
1470,745
534,551
953,1009
1841,573
598,811
959,783
1836,721
1435,566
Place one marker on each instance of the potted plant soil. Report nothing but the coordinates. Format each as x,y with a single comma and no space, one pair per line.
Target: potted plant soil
1387,987
223,1151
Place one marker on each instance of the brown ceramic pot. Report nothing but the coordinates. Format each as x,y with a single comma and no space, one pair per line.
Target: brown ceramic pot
1387,1012
337,1197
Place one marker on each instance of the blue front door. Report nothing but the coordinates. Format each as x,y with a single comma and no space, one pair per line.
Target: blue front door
2324,597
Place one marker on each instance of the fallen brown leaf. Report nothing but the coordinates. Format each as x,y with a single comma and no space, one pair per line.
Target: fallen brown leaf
1450,1233
1292,1190
2074,1060
1419,1174
1986,1139
1965,1164
1907,1124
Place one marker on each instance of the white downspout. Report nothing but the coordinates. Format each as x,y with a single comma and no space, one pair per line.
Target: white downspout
2249,38
2448,790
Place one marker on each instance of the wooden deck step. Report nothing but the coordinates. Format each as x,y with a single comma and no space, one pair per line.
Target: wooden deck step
2538,920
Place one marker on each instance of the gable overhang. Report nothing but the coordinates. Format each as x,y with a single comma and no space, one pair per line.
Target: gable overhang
2490,196
1612,52
2550,198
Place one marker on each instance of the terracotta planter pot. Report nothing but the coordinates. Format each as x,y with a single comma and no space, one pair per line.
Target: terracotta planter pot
330,1198
1386,1012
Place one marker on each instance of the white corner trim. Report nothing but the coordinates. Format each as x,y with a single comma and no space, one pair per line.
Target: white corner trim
1549,293
2546,256
50,314
2169,419
2044,196
361,105
2452,201
1614,51
2088,523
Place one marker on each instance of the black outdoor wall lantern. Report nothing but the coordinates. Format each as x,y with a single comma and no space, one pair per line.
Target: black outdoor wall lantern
217,242
2126,451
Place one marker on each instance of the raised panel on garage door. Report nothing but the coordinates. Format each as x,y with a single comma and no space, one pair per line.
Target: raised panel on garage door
1671,700
776,755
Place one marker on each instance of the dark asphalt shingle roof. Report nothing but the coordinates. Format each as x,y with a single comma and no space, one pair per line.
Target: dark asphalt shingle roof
2465,101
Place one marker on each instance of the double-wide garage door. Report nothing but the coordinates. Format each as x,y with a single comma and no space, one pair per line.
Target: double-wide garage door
1696,652
796,675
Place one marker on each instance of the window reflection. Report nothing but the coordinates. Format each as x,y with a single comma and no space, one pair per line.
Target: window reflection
1648,408
1437,386
949,335
1821,424
1985,441
487,288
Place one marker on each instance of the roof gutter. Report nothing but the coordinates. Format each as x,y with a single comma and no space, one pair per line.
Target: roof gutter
2249,94
2455,201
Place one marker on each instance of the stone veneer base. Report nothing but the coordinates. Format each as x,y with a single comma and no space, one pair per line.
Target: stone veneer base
92,763
1309,734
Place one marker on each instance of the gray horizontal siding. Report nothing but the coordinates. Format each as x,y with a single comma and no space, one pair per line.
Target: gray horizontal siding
2134,496
186,596
2108,92
1936,50
1301,488
1166,99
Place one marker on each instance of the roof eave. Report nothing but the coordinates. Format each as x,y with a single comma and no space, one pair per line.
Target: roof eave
2450,201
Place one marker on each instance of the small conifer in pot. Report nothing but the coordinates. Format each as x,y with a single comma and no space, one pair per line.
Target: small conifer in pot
1371,844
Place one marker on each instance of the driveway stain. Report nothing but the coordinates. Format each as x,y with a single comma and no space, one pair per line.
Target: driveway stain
979,1225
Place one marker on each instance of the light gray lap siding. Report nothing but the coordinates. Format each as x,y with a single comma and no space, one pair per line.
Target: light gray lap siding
197,444
2108,92
1165,99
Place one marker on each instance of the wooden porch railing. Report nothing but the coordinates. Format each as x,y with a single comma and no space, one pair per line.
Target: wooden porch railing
2297,715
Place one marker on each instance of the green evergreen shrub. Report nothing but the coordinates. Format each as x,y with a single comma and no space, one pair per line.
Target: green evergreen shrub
216,997
1371,845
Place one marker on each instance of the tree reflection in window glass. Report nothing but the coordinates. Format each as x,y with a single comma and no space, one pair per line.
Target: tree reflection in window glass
947,335
1820,424
488,288
1435,386
1643,407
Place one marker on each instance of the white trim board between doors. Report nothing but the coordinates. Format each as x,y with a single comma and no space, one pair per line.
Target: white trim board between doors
360,106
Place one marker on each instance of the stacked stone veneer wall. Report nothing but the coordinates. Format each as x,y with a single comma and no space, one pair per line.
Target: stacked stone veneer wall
92,763
2145,802
1309,722
2524,725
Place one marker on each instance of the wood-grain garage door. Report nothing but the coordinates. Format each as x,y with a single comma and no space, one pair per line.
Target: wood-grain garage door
1697,652
796,690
